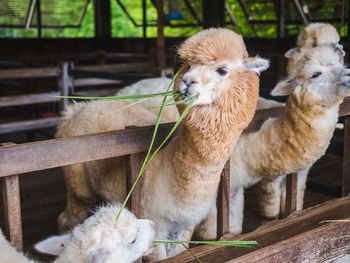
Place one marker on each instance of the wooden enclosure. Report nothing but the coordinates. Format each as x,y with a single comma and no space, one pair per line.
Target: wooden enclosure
299,228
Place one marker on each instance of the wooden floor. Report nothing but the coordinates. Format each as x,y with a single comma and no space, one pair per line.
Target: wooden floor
43,198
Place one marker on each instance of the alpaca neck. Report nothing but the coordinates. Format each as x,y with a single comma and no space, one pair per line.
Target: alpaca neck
200,155
297,139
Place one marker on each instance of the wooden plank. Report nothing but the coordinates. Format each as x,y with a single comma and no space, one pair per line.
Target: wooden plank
94,82
60,152
28,99
223,202
323,244
97,92
28,125
65,84
161,60
121,67
291,193
133,166
12,208
345,107
29,73
346,158
261,116
270,233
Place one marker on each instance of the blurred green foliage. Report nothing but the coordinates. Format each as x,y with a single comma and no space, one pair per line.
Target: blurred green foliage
122,26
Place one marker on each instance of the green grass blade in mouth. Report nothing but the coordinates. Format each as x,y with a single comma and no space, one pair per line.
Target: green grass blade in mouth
138,96
184,113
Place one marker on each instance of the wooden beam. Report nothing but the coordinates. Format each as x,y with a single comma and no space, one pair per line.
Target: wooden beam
213,13
102,12
29,73
301,12
346,158
60,152
65,84
96,92
223,202
161,59
94,82
327,242
28,99
133,166
281,17
30,13
230,13
12,208
28,125
270,233
291,193
120,67
14,160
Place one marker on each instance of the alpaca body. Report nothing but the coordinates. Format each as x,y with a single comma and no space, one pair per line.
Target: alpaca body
179,185
99,239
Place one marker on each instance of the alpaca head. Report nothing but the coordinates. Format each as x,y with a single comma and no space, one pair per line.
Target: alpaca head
316,35
213,60
103,239
319,73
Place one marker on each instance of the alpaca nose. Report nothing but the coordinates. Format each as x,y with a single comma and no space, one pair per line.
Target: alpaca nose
185,87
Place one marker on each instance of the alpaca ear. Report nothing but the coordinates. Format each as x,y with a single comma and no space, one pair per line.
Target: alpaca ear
283,88
291,52
256,64
340,50
53,245
98,256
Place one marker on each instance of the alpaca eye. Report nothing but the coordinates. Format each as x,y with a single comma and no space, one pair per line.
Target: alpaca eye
133,242
221,71
316,75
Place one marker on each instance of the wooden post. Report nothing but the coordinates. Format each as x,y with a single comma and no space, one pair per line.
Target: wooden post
64,83
346,157
213,13
102,12
133,166
223,202
280,25
161,60
12,208
291,193
144,20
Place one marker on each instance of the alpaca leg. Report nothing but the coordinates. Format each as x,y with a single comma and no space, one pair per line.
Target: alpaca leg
302,176
175,249
206,230
268,193
236,210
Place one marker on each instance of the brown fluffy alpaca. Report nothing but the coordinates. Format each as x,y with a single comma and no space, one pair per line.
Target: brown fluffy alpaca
180,184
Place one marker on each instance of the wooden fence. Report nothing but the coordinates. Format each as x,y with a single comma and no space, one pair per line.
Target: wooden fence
132,143
68,83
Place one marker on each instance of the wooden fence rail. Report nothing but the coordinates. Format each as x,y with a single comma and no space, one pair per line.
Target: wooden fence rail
132,142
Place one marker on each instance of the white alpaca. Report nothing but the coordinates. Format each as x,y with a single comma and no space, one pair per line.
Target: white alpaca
179,186
271,193
292,142
99,239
